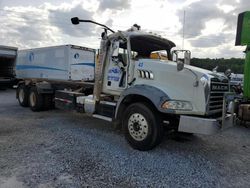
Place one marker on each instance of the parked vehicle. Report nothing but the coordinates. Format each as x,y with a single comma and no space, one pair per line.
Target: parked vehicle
143,96
243,39
7,64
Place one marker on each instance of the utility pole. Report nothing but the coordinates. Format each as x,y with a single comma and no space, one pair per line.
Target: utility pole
183,29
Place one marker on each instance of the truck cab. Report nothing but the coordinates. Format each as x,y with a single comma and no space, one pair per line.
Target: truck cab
127,56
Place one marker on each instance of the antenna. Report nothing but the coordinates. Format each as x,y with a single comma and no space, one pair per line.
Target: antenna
183,29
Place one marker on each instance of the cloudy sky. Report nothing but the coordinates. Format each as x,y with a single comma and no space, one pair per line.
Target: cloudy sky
210,25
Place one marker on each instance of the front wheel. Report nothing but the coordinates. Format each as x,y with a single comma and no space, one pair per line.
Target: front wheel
142,126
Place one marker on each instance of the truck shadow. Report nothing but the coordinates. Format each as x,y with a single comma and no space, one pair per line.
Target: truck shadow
180,137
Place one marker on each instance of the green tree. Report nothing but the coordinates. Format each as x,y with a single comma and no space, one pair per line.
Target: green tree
235,64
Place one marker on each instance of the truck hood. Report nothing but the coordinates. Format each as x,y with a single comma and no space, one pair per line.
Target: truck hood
206,72
177,85
199,71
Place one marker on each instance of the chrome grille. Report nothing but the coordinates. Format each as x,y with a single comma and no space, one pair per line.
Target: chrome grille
217,90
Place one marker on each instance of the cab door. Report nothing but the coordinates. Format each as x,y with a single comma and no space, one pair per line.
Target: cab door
115,75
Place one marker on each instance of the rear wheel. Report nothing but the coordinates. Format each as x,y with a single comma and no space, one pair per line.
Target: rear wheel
23,95
35,100
142,126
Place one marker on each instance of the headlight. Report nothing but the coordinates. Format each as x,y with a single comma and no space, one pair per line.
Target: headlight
177,105
204,80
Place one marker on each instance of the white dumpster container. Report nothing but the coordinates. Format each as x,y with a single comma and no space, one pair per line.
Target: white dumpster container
67,62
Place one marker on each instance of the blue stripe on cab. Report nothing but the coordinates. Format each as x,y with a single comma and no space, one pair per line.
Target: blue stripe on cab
23,67
88,64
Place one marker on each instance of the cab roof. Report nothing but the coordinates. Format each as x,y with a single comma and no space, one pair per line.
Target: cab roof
144,42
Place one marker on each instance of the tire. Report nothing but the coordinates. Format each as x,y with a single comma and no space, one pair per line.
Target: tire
35,100
22,94
142,127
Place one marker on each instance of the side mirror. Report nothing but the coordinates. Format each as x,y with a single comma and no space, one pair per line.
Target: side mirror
228,73
75,20
187,57
215,69
180,65
115,48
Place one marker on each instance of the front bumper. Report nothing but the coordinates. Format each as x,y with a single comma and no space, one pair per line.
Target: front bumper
205,126
199,125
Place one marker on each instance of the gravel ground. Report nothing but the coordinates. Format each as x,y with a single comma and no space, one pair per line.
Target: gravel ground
67,149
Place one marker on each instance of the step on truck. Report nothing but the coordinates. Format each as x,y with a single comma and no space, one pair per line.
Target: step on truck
123,84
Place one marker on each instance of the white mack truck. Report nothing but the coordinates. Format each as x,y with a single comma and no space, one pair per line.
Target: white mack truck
141,95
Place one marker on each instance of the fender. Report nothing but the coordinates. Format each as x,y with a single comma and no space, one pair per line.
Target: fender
44,88
155,95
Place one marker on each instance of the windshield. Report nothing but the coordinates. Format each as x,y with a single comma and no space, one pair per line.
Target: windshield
146,46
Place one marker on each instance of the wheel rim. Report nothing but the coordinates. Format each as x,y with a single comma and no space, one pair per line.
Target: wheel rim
21,95
138,126
32,99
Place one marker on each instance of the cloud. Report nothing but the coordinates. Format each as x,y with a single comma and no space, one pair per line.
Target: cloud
231,16
45,25
37,23
230,51
114,4
244,5
60,17
109,23
26,27
210,26
213,40
197,14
